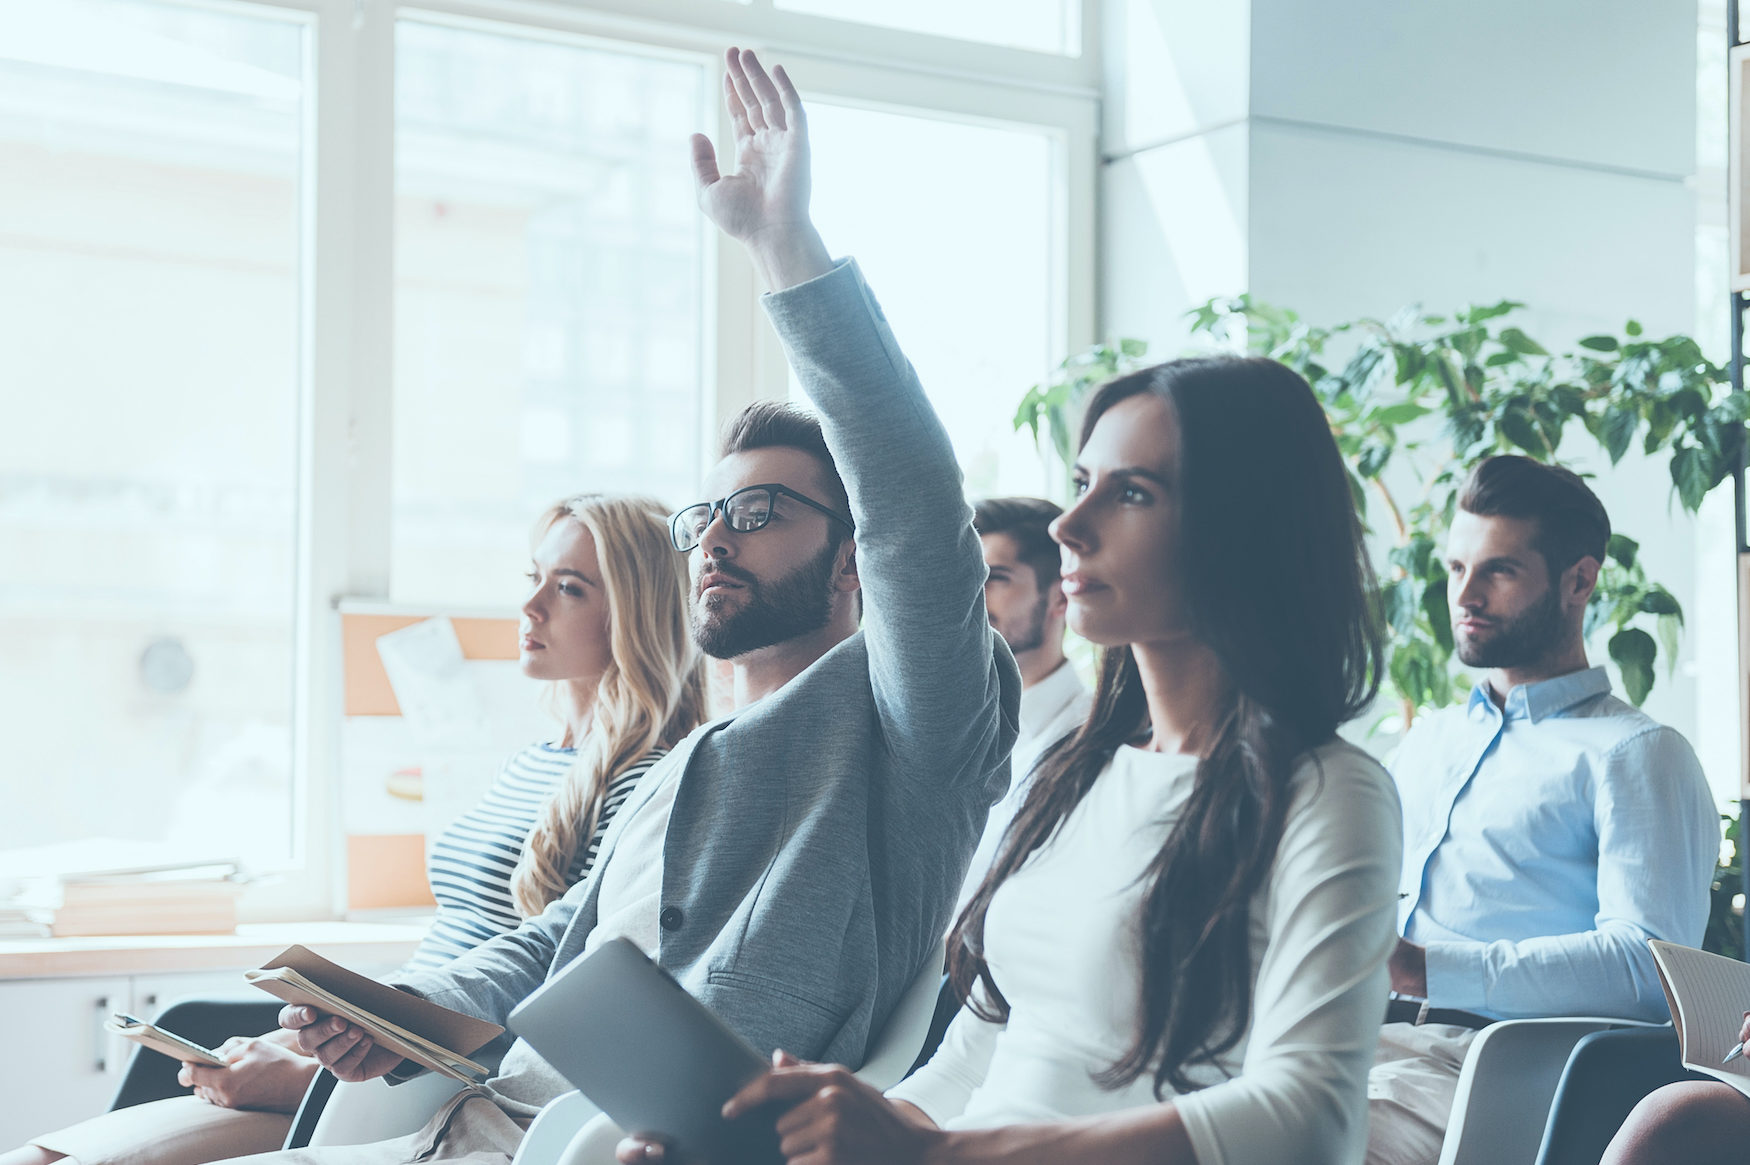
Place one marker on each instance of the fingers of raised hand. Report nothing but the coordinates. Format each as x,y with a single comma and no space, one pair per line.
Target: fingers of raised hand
788,97
770,103
705,171
737,111
742,87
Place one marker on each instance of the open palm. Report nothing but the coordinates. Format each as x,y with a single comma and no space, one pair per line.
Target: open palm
768,192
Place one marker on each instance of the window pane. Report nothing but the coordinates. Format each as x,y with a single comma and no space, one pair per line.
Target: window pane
149,288
963,264
548,287
1047,26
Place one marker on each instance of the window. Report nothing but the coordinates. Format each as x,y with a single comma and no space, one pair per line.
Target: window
150,280
965,264
223,220
548,284
1046,26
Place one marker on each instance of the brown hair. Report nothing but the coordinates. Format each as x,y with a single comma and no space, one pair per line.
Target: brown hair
1028,522
1280,589
1571,522
770,424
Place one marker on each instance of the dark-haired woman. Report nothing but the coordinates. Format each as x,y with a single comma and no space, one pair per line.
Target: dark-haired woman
1179,954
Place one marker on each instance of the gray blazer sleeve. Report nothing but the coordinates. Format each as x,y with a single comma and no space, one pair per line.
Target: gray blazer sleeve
946,688
501,972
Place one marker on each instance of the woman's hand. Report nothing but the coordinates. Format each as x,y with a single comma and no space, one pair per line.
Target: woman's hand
835,1119
764,203
345,1049
260,1073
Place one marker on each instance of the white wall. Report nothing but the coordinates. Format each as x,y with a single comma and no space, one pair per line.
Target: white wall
1346,159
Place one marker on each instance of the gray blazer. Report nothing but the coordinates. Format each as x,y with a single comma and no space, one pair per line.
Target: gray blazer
818,838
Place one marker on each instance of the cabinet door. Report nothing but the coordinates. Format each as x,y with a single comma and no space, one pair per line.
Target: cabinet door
59,1066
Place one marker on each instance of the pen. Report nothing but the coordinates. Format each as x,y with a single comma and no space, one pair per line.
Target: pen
1732,1055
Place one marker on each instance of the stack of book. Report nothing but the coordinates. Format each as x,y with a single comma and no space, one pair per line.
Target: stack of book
193,899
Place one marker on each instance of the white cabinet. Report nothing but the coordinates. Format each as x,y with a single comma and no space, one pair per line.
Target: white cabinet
73,1066
60,1066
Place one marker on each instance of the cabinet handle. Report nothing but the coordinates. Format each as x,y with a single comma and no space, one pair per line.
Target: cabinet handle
101,1048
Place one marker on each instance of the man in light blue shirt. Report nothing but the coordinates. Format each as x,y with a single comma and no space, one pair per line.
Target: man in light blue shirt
1550,829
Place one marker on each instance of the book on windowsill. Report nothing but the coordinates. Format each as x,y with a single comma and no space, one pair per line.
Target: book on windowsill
1709,995
432,1036
187,900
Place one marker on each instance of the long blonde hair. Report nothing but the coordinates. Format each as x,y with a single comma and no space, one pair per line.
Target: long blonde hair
651,695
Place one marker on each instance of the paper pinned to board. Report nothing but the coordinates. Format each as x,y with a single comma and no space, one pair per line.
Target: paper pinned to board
437,695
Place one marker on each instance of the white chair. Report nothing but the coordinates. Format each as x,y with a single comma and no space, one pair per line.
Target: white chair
357,1114
571,1131
1505,1088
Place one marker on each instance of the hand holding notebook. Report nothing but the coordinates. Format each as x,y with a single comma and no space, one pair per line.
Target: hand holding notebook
404,1024
1708,995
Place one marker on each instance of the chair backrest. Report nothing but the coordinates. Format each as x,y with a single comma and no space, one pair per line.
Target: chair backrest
1607,1074
358,1114
893,1051
1504,1090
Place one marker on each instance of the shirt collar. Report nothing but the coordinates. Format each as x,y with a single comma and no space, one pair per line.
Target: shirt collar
1545,698
1041,703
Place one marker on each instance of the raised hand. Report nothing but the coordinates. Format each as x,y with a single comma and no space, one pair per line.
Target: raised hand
763,203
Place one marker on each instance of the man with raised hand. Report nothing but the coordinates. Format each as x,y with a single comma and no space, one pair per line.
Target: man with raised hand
793,864
1550,829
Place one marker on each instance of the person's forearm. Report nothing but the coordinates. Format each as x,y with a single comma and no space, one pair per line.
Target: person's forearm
788,254
1149,1136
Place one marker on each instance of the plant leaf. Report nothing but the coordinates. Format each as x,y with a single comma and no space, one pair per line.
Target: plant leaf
1690,473
1634,652
1600,343
1517,341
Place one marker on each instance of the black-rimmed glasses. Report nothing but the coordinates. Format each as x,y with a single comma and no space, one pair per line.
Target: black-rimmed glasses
746,510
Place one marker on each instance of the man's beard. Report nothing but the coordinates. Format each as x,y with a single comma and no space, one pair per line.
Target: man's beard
1523,639
797,604
1032,636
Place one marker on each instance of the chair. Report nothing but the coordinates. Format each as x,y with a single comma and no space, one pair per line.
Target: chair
358,1114
1608,1074
1504,1091
571,1131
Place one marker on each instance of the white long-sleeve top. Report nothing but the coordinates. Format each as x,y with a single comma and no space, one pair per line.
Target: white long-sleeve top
1064,948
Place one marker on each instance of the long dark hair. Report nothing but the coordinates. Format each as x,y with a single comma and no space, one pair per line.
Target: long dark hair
1279,588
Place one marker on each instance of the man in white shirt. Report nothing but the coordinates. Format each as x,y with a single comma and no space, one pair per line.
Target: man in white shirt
1550,829
1027,608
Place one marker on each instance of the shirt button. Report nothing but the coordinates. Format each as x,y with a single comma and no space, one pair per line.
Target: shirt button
670,918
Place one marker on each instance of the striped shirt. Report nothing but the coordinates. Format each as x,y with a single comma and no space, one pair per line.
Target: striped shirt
471,862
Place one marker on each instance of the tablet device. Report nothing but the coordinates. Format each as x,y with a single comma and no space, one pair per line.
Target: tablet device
648,1054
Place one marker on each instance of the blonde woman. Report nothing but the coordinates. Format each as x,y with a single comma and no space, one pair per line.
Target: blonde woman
606,625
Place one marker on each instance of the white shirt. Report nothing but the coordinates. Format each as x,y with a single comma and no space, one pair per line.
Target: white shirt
1050,710
1061,940
631,895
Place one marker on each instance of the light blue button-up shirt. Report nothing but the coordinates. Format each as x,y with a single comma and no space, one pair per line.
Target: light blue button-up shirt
1544,843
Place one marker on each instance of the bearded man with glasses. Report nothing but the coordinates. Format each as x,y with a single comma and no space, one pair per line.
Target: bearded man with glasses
794,864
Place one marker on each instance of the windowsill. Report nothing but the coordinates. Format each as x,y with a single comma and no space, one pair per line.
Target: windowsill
349,943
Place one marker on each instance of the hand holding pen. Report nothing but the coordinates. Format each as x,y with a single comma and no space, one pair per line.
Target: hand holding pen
1743,1038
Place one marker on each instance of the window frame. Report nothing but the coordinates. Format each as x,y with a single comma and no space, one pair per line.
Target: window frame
346,307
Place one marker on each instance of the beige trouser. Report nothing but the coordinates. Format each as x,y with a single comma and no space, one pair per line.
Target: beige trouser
179,1131
1410,1091
468,1129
